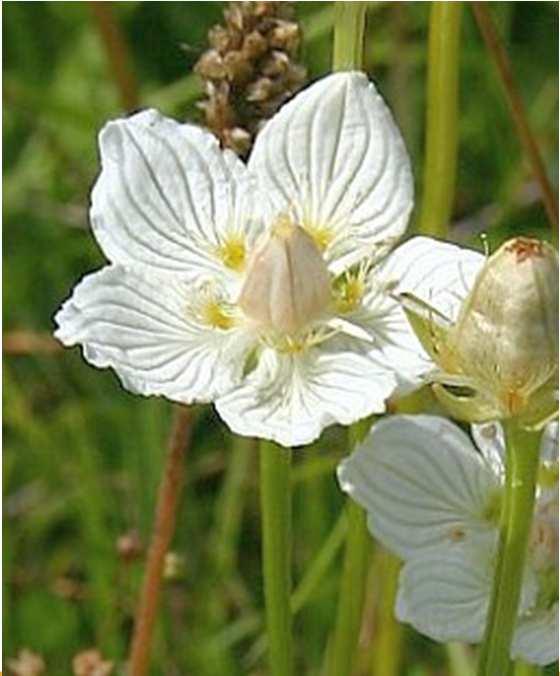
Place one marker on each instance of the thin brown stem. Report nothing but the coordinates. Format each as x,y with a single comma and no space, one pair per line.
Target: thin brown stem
517,108
164,527
118,53
28,342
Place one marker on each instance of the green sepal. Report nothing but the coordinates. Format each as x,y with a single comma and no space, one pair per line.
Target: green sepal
473,407
430,326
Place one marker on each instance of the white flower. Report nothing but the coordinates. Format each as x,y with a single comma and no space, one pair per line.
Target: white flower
490,326
434,500
255,287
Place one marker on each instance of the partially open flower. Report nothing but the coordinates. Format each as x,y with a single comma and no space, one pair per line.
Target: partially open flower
434,499
496,344
256,287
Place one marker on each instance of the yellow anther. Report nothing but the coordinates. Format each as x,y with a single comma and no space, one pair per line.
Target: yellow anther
213,314
322,235
232,252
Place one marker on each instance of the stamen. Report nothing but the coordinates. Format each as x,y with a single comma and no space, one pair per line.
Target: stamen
232,251
209,308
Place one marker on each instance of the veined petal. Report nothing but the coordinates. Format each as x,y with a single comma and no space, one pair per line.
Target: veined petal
291,398
140,325
334,157
536,637
435,272
392,342
169,198
445,594
489,438
422,484
549,443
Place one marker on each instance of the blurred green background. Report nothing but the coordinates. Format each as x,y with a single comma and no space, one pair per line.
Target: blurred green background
83,457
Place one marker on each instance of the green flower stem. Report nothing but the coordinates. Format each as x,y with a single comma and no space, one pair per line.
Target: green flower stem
522,463
351,593
275,464
349,25
441,119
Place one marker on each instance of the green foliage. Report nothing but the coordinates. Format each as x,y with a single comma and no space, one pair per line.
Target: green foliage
82,457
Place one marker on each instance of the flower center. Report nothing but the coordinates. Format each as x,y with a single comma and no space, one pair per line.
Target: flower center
210,309
348,290
287,285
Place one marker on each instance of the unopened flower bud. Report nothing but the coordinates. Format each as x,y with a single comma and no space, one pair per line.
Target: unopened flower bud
285,36
276,64
237,67
210,65
254,45
91,663
261,90
238,139
506,336
222,39
287,284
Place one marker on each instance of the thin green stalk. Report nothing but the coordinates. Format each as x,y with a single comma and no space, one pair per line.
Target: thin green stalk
351,593
349,25
441,118
522,463
460,661
387,653
524,669
275,464
230,505
320,564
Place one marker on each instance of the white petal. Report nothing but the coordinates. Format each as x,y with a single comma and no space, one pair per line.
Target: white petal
437,273
445,594
421,482
334,157
489,438
549,443
139,325
393,343
291,398
167,196
536,637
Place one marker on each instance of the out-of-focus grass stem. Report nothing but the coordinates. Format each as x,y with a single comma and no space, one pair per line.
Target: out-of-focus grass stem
460,661
524,669
230,504
164,528
118,53
387,644
441,118
518,113
349,26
